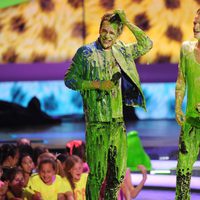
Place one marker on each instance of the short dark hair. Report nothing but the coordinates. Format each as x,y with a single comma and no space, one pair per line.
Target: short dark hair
9,173
113,18
7,150
13,172
198,12
49,161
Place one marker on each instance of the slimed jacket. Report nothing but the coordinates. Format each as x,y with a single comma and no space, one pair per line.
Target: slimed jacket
89,64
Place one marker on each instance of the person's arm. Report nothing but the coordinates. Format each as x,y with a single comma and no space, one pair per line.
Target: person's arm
30,193
69,195
3,190
134,191
37,196
125,191
144,43
180,92
74,76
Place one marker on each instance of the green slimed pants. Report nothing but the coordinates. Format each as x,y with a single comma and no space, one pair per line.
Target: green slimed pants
106,152
189,145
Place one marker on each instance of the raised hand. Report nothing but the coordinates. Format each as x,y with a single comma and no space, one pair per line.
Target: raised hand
122,15
143,170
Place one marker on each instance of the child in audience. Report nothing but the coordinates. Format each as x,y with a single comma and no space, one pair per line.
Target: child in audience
128,190
62,158
59,168
15,184
27,165
3,190
1,173
3,186
9,155
46,185
77,147
75,178
37,151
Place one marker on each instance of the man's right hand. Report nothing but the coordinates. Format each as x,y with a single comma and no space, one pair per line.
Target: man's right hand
106,85
180,117
98,85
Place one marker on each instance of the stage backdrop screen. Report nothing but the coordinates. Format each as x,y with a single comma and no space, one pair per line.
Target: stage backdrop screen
52,30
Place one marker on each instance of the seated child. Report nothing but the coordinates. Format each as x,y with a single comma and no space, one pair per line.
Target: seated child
3,186
77,147
15,184
46,184
75,178
27,165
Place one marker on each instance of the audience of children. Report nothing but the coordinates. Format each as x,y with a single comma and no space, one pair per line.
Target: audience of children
36,174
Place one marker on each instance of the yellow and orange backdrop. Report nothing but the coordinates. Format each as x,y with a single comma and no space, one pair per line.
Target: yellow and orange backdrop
52,30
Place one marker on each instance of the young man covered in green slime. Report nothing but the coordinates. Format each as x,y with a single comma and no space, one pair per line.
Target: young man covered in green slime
105,74
189,141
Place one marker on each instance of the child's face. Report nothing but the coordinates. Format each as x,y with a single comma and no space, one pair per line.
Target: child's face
47,173
76,171
14,160
18,182
27,164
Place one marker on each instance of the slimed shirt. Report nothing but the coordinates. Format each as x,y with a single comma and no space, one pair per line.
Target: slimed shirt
190,69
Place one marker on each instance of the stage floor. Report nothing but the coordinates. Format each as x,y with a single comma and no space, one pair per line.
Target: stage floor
153,133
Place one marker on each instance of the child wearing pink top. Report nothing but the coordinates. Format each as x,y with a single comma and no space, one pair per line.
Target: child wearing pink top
128,191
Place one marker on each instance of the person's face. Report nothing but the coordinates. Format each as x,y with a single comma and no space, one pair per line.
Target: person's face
14,160
24,141
196,27
18,182
47,173
108,34
76,171
27,164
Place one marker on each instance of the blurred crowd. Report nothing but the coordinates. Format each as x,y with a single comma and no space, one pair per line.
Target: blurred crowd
38,174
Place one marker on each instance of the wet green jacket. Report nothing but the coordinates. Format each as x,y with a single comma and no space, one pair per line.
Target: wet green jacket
88,65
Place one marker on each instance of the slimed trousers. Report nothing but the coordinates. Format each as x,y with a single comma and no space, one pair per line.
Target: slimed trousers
106,153
189,145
